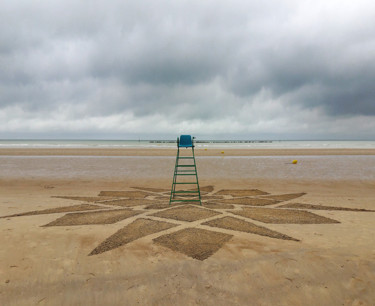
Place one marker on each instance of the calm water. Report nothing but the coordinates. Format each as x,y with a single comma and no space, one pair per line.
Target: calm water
276,144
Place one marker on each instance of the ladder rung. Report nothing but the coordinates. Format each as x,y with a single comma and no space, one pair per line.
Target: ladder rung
192,170
187,183
185,200
185,165
187,191
185,174
185,157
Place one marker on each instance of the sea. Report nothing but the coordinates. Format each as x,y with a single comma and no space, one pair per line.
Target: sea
235,144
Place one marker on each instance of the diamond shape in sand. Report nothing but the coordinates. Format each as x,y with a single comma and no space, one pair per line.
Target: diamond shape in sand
82,207
186,213
322,207
282,216
250,201
194,242
96,217
162,205
135,230
214,205
129,202
236,224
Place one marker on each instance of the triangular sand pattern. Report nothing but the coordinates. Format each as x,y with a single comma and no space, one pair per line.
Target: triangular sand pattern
186,199
244,226
194,242
130,202
158,206
84,199
249,201
81,207
135,230
96,217
282,216
240,192
157,190
186,213
125,194
322,207
164,205
284,197
214,205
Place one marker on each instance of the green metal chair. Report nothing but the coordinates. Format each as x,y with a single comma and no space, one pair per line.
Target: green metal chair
184,170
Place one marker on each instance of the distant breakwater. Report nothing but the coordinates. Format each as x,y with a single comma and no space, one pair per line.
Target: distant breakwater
215,141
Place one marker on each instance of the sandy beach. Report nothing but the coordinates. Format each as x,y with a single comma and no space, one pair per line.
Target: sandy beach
93,227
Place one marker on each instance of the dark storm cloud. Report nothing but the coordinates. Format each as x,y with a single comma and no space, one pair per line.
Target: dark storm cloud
211,61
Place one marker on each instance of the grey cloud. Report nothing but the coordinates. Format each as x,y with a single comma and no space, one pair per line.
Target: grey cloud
187,60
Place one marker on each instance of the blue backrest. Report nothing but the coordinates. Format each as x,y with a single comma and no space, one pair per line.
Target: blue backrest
185,141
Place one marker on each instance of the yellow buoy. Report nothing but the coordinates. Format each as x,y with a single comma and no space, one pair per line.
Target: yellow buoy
205,149
222,152
294,161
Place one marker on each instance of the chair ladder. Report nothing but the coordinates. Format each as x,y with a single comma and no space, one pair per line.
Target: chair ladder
187,171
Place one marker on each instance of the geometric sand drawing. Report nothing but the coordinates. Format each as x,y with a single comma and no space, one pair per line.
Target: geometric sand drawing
135,230
322,207
282,216
194,242
153,215
129,202
158,206
163,205
216,205
186,213
250,201
235,224
96,217
82,207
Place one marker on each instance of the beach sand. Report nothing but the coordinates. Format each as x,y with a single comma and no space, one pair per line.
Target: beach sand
98,231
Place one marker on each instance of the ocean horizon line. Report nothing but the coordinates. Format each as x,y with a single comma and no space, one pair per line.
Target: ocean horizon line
174,140
204,143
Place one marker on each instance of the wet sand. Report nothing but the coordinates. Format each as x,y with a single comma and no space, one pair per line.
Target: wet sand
164,151
252,262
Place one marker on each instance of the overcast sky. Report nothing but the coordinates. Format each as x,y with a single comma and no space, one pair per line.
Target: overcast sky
215,69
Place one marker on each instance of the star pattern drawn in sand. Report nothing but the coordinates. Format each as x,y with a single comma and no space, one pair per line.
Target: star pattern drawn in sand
194,230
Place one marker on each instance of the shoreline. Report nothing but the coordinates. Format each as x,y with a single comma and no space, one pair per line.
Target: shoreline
172,152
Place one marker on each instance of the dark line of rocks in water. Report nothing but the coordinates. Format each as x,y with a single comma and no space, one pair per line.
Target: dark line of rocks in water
215,141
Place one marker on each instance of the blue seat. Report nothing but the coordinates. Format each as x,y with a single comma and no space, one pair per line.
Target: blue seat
185,141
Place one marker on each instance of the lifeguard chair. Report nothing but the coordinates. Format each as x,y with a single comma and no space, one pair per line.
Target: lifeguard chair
185,168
